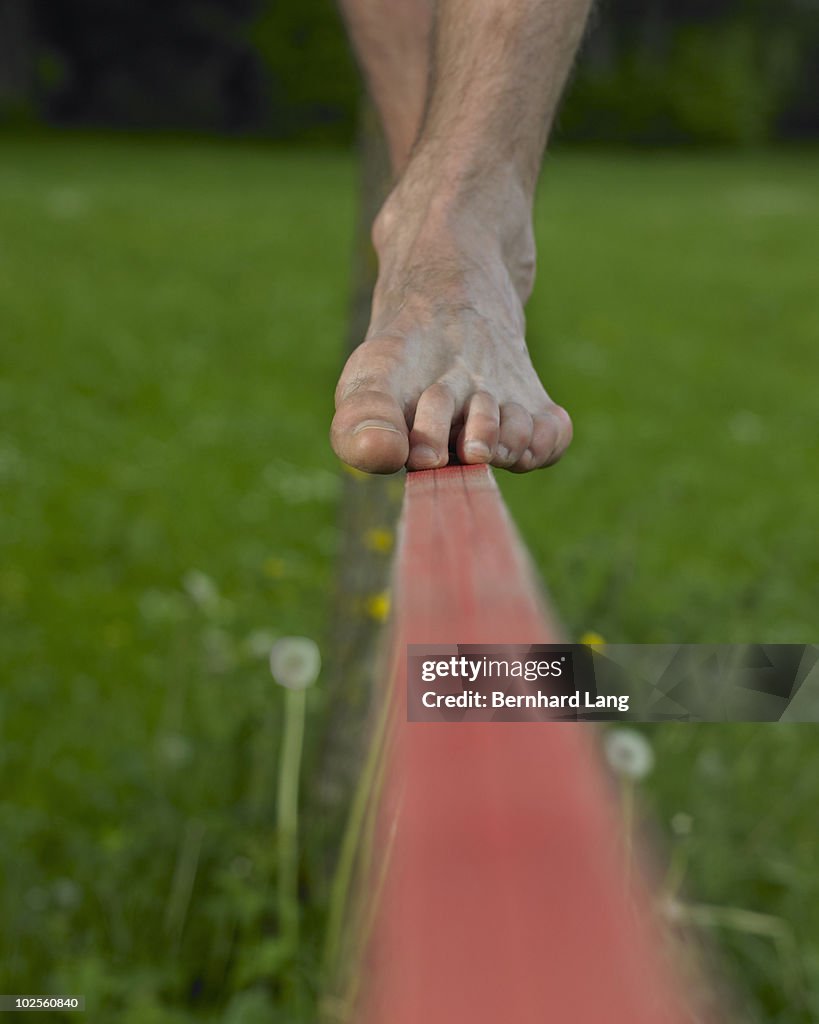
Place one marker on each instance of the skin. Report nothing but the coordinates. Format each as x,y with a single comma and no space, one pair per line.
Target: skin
467,92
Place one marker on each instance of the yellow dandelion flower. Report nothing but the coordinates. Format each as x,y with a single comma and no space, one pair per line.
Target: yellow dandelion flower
275,568
377,606
592,639
378,539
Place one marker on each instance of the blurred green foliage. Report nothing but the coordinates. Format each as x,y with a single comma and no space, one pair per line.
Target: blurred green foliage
733,72
162,523
173,316
312,83
733,806
724,83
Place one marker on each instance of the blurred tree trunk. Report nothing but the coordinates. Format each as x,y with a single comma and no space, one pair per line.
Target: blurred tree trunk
369,510
16,57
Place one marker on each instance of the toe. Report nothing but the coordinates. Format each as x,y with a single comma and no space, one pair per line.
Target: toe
479,436
429,438
544,440
369,432
514,435
551,434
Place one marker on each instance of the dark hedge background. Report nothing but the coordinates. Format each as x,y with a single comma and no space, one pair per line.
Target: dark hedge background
736,72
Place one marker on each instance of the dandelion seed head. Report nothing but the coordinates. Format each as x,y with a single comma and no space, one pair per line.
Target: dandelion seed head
295,662
682,824
628,753
202,590
174,749
67,894
747,427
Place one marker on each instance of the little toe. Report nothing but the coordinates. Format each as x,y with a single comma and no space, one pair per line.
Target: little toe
551,434
551,437
544,439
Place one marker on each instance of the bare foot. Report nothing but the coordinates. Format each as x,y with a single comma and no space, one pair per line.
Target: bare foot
445,364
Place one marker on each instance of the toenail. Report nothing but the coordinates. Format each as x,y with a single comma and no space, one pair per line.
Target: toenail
503,453
376,425
423,453
477,449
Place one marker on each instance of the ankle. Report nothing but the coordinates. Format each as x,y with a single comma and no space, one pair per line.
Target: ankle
440,217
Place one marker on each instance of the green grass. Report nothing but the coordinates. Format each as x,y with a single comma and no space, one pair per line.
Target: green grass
172,317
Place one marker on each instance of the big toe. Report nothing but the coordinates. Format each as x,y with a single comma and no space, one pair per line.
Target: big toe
369,432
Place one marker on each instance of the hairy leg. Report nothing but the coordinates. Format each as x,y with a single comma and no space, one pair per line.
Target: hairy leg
393,40
445,359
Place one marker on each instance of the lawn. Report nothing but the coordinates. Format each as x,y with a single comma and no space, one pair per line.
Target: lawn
172,316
